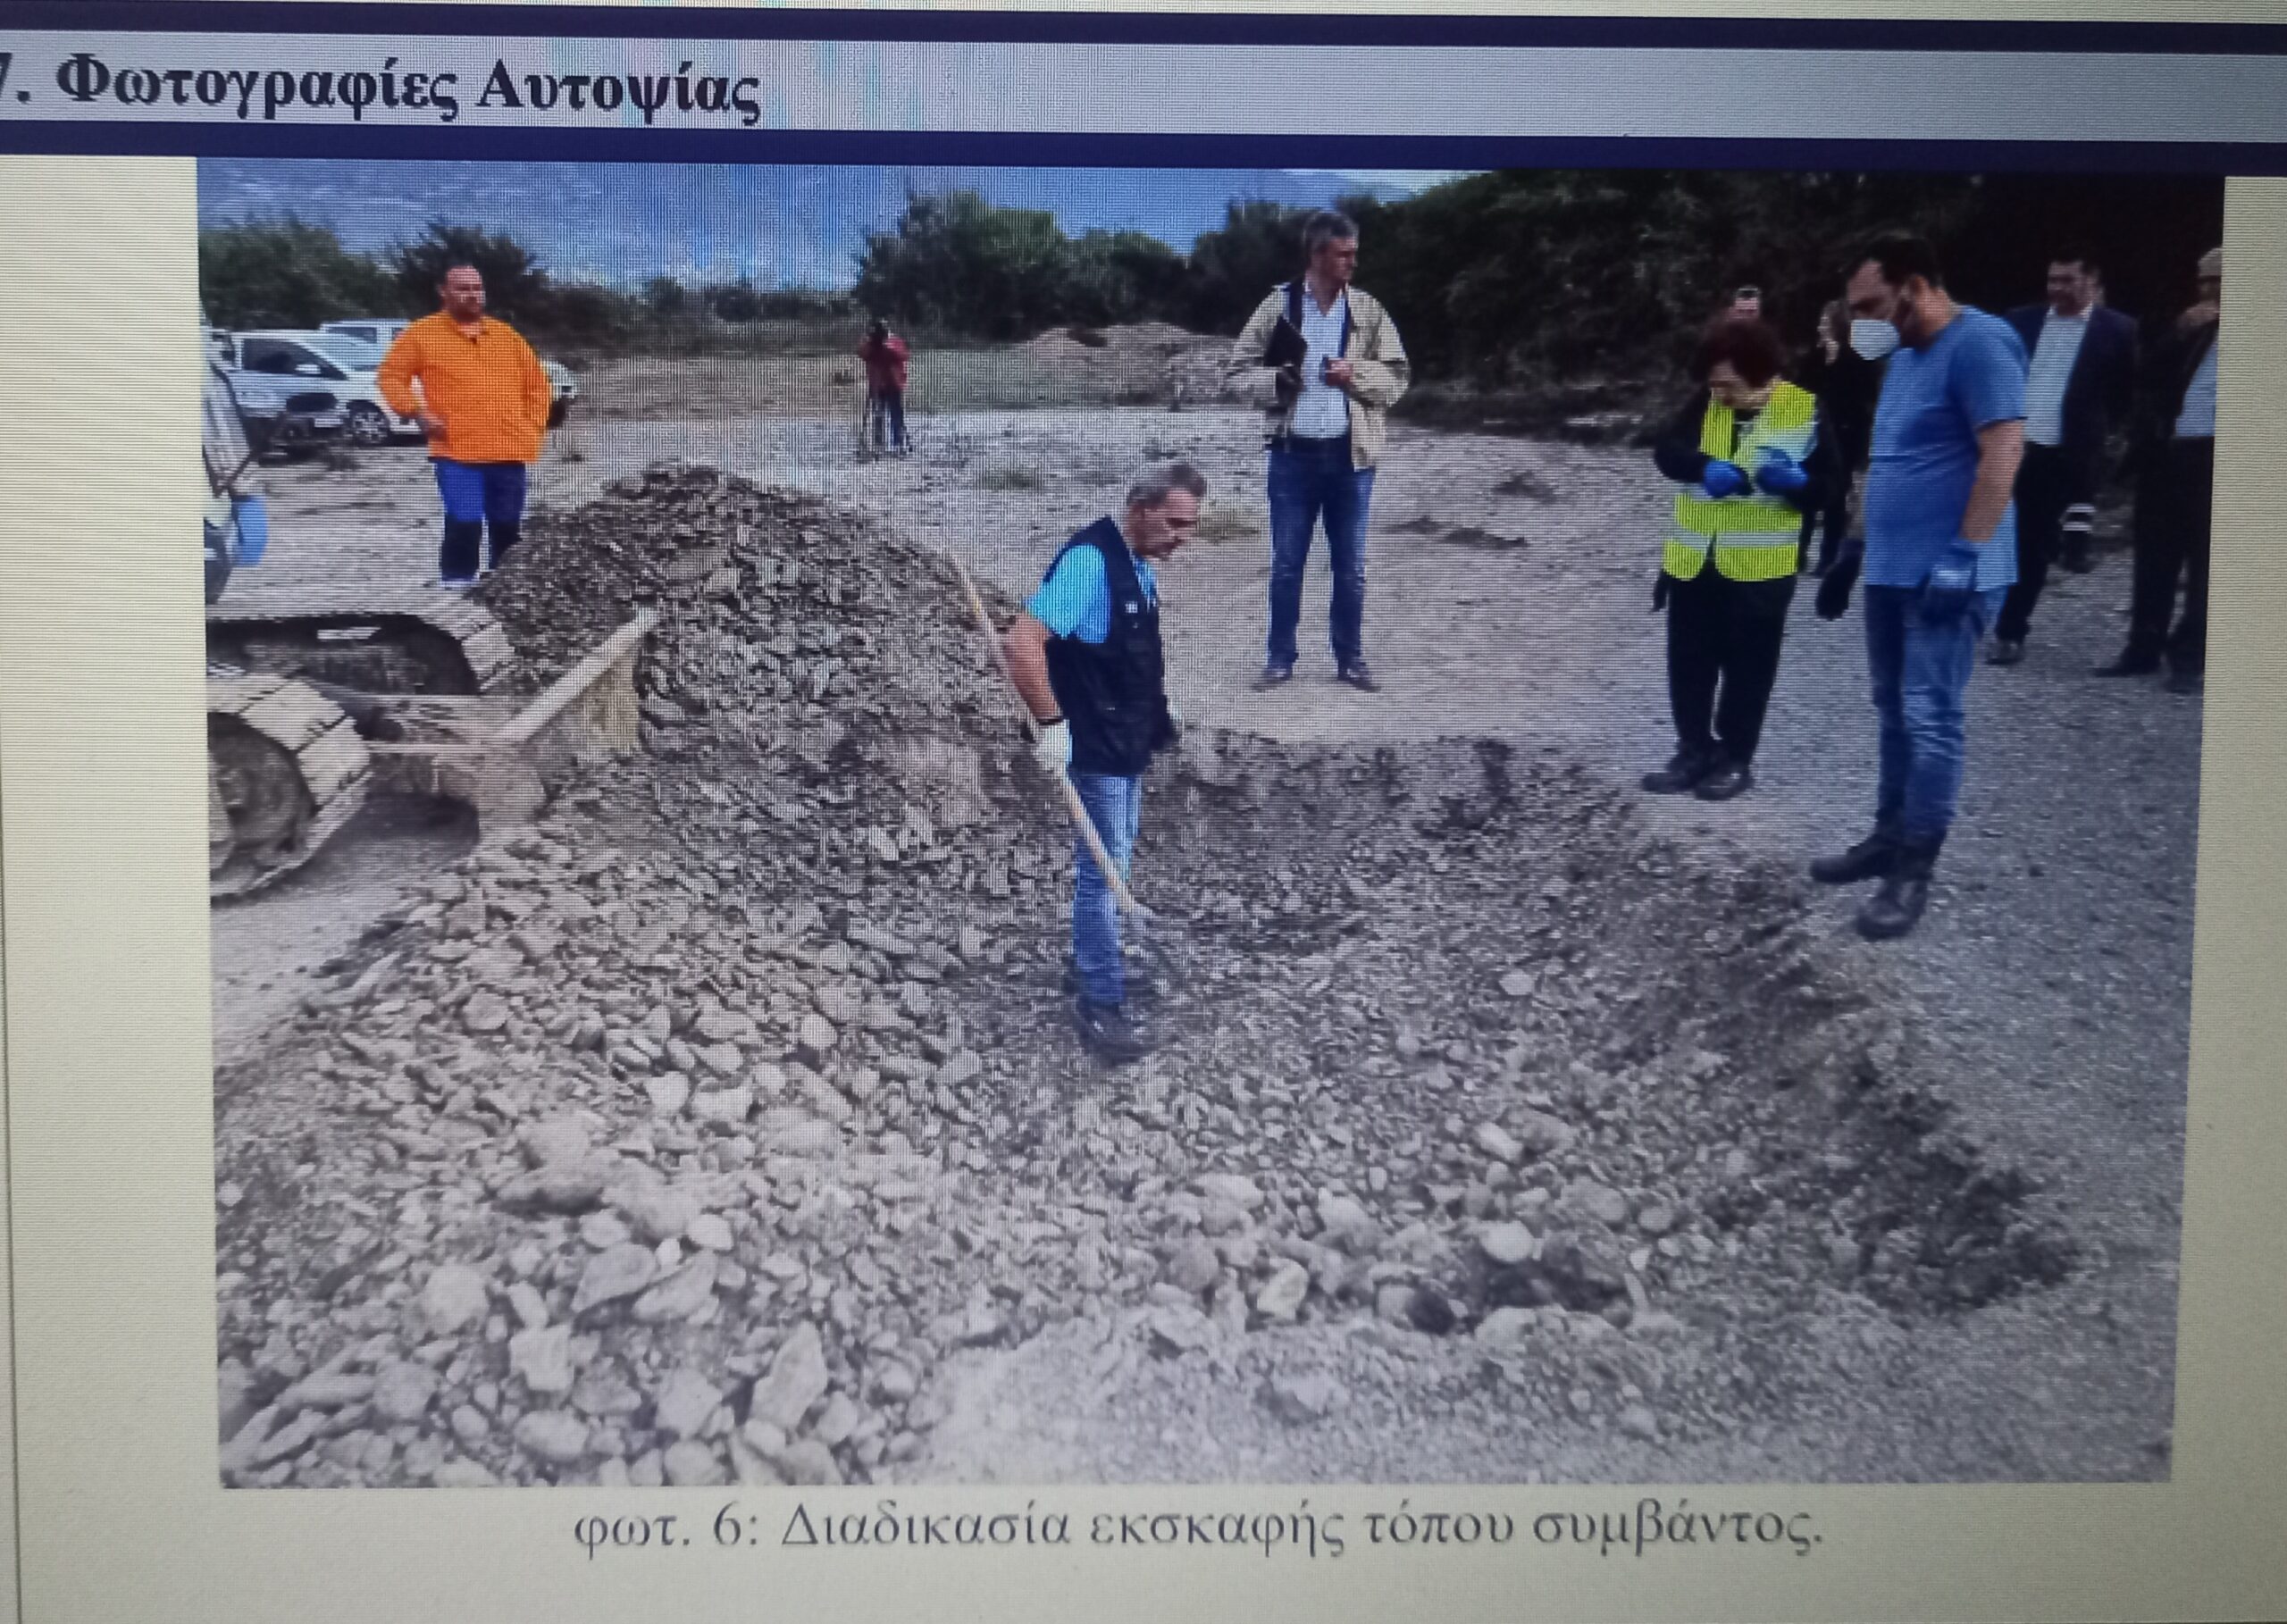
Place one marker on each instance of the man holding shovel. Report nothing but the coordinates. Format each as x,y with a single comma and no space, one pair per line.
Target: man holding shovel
1085,657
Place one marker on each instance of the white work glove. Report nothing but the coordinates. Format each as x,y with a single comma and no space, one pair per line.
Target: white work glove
1052,747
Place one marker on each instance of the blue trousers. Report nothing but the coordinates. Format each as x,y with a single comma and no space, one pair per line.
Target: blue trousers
478,496
1115,807
1919,672
1310,478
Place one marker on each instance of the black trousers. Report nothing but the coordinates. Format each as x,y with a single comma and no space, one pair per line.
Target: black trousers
1831,521
2048,483
1723,640
2175,508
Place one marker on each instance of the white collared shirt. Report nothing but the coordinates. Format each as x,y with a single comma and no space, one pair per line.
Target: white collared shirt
2197,420
1323,411
2061,337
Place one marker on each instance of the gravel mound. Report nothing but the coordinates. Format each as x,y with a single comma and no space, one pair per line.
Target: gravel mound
693,1132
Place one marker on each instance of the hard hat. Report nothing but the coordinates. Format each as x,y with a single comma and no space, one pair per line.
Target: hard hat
2211,263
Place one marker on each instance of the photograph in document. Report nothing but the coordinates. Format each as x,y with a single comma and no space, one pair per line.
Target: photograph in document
890,826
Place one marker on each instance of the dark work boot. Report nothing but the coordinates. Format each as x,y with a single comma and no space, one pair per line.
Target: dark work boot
1896,907
1108,1033
1872,858
462,552
2132,663
1140,985
1682,773
505,537
1727,780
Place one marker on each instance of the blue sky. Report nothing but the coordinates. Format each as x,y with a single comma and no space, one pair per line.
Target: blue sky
778,225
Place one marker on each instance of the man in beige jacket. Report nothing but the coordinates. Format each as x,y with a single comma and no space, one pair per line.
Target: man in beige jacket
1327,386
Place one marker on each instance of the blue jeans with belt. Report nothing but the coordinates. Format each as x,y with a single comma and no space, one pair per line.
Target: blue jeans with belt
1919,670
1115,807
1310,478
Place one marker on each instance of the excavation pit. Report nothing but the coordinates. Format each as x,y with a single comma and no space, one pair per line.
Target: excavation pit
749,1057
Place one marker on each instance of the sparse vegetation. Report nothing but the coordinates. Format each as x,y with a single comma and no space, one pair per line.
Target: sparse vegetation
1219,522
1534,300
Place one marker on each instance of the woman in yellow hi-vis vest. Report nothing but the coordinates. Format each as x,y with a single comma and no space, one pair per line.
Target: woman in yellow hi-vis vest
1748,462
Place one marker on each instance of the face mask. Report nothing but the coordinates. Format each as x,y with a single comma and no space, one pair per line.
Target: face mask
1872,338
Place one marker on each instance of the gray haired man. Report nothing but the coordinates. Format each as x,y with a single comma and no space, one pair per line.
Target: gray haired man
1085,655
1324,361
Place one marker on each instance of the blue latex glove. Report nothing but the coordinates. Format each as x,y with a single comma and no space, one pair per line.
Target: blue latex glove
1721,479
1952,582
1778,473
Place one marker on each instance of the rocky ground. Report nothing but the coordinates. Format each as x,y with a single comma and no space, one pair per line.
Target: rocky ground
723,1125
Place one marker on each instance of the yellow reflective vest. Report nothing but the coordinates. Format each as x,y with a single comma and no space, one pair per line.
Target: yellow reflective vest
1754,536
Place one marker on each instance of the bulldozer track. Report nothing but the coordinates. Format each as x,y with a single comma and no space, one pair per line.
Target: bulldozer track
417,642
286,771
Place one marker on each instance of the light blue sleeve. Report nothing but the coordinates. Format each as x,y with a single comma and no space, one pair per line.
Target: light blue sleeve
1073,601
1988,379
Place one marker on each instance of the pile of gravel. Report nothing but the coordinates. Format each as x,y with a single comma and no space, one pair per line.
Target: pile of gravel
686,1134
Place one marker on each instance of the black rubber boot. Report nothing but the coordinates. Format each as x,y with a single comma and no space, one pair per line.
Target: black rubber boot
505,537
1872,858
1896,909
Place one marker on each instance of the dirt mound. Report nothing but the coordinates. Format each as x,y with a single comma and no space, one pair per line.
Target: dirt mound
693,1132
1154,360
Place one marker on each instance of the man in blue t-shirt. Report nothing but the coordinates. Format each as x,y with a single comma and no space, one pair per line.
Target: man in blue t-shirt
1085,655
1938,557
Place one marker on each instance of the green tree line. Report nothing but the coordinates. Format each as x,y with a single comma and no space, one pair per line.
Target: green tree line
289,274
1567,286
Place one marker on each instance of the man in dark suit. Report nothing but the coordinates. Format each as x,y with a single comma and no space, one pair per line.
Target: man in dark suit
2174,456
2081,381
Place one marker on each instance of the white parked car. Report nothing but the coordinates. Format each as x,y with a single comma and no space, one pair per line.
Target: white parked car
334,361
381,331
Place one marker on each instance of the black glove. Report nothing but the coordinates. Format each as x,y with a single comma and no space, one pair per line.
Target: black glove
1660,590
1834,587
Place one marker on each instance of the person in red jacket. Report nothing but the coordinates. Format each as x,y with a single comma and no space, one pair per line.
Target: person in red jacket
884,355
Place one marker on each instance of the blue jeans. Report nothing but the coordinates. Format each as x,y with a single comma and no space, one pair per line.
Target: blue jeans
477,495
1919,673
1309,478
888,417
1115,805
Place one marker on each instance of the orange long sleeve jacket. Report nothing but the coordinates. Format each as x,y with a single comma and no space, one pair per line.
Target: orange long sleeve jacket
489,388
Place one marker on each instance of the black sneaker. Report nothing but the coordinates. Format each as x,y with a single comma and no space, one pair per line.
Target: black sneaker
1107,1031
2006,651
1274,677
1872,858
2129,665
1681,776
1358,676
1728,781
2187,681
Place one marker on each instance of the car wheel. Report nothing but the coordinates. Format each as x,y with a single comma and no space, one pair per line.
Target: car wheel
368,425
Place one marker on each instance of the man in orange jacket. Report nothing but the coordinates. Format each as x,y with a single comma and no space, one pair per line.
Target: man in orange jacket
484,403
